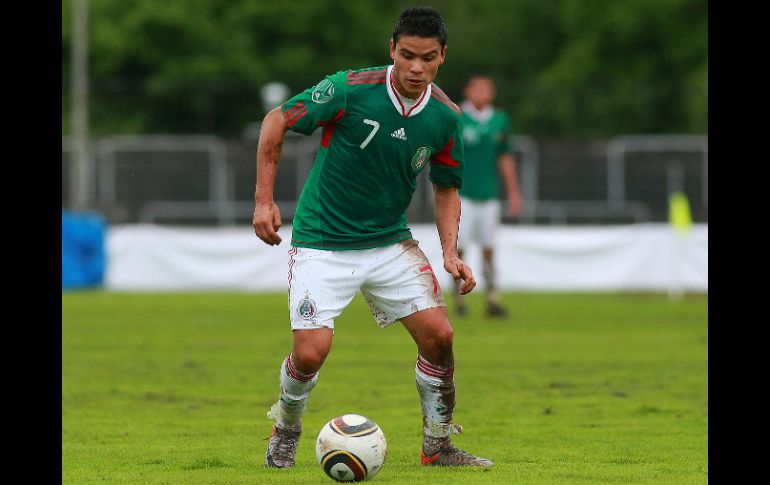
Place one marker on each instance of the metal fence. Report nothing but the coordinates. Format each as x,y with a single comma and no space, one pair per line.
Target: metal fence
204,180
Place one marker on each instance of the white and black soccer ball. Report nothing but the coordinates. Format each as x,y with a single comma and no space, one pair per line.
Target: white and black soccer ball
351,448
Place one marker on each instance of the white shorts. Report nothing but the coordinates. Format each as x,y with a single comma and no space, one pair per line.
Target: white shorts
479,221
395,280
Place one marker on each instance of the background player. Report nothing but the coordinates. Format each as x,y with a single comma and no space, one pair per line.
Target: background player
489,150
381,127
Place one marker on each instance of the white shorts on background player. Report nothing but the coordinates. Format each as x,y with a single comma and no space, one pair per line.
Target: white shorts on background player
479,221
395,280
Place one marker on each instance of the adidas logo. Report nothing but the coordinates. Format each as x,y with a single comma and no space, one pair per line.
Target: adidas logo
399,133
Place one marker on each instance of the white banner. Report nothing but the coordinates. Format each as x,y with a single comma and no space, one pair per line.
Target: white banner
637,257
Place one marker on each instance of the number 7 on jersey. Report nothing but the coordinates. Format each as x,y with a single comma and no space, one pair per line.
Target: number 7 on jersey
376,126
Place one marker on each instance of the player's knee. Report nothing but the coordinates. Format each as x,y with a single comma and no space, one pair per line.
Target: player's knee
438,348
444,338
309,359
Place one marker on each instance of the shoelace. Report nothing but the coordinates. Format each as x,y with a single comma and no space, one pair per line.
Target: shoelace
285,444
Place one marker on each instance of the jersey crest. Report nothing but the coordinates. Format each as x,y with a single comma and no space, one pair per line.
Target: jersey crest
323,92
306,308
419,158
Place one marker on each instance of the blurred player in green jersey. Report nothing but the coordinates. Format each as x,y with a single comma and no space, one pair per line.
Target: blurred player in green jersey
489,151
382,126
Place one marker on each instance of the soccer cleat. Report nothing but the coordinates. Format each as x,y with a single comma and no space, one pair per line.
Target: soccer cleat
449,455
282,447
495,310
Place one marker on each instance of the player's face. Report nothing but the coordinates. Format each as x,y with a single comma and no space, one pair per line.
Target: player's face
480,91
415,63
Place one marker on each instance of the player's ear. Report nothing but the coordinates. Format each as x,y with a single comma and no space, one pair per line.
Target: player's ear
392,49
443,55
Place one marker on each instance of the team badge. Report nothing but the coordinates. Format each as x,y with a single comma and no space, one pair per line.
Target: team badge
470,135
323,92
306,308
419,158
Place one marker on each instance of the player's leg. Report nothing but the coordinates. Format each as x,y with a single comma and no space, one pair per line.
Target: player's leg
318,292
494,308
298,376
489,228
403,287
434,376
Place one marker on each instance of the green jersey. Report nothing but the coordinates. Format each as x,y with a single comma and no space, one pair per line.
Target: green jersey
486,134
372,150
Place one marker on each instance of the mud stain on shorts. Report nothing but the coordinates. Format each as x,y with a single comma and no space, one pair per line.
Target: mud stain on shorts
422,267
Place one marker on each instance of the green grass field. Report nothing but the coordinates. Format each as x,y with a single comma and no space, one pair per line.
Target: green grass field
574,388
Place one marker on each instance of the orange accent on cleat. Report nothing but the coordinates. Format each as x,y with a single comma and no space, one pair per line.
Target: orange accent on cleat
428,460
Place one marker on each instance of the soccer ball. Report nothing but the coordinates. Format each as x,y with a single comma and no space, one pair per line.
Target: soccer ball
351,448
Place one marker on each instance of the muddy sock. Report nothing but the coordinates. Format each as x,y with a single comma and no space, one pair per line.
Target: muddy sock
437,392
295,390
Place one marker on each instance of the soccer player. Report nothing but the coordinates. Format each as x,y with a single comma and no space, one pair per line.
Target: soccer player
489,150
381,127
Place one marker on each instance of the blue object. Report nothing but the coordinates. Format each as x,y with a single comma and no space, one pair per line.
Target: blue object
82,249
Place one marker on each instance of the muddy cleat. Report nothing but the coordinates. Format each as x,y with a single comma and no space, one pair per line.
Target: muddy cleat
282,447
451,456
495,310
441,452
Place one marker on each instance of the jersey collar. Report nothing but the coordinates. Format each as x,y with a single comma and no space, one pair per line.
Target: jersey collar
421,104
480,116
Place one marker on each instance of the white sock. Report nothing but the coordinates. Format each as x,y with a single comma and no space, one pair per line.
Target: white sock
436,386
295,390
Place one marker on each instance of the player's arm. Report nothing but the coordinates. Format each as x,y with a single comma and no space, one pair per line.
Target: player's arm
507,164
303,113
267,217
447,208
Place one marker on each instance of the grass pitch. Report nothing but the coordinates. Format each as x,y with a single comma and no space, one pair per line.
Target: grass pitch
574,388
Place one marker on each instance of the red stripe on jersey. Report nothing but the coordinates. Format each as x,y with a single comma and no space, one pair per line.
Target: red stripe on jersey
371,80
329,127
445,100
444,157
375,72
298,107
448,103
295,114
365,71
368,74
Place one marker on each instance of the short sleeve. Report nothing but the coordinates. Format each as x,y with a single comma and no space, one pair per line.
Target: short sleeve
307,110
447,165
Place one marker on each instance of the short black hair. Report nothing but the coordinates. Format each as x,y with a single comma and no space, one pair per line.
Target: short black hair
480,75
421,22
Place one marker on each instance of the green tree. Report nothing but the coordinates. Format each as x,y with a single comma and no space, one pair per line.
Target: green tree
577,68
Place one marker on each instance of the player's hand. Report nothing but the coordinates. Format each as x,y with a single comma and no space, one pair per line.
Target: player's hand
460,271
266,221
